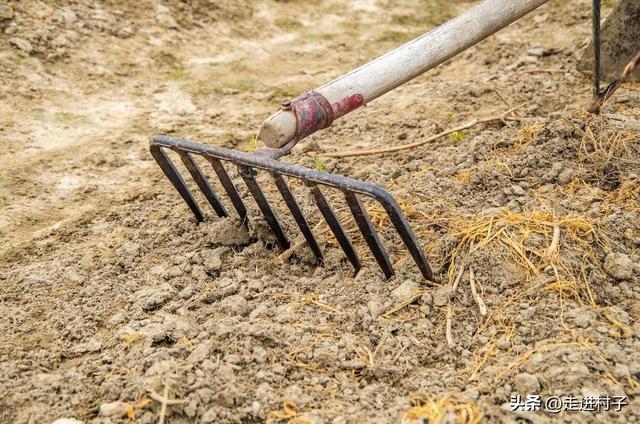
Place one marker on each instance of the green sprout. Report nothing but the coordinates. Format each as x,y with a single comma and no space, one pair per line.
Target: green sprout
253,144
319,165
458,135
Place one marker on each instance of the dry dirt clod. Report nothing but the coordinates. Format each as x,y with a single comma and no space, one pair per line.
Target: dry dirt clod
87,347
113,409
526,384
536,51
225,288
504,344
210,416
405,291
212,259
235,305
515,206
583,318
227,232
489,212
375,308
621,371
153,297
618,266
21,44
212,264
565,176
441,296
518,190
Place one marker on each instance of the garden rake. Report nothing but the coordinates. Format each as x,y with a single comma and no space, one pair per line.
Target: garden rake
317,109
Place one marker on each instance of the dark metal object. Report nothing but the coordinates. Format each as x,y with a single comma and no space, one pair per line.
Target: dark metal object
619,40
336,228
248,163
604,95
203,183
249,177
597,63
226,182
174,176
369,233
286,194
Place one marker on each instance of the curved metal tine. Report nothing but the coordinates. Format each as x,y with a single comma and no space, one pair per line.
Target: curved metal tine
247,174
228,186
369,232
402,227
335,226
170,171
285,191
202,183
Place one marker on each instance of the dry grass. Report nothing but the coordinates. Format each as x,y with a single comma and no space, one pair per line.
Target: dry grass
527,135
619,328
464,176
598,147
131,338
435,411
608,155
626,197
555,251
300,300
533,240
289,414
543,347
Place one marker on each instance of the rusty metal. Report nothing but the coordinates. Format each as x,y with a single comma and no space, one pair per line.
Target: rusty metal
313,112
249,164
286,105
605,94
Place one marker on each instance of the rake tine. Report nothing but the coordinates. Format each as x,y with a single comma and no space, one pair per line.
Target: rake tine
369,232
298,216
248,163
176,179
226,182
202,183
402,227
247,174
336,227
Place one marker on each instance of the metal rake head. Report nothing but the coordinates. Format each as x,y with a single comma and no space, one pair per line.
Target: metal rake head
248,163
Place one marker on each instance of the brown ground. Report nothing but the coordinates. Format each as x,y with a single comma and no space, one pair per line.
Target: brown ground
109,290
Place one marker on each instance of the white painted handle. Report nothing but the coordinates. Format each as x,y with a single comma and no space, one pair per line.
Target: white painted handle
406,62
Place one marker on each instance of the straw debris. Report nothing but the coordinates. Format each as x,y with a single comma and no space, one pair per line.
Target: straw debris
433,410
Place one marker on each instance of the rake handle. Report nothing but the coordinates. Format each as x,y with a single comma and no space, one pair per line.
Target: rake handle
317,109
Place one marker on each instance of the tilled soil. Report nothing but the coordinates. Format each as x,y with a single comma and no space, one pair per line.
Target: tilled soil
113,295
